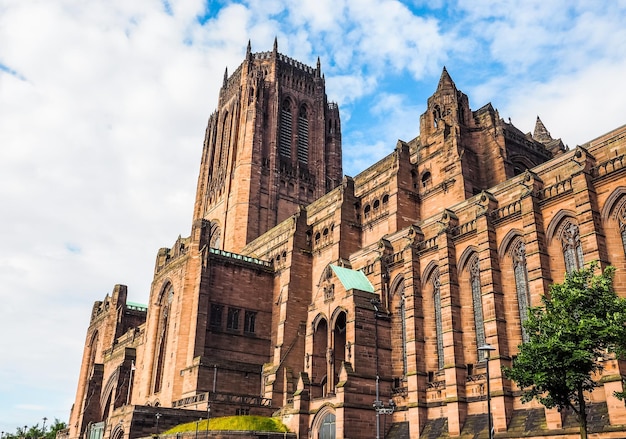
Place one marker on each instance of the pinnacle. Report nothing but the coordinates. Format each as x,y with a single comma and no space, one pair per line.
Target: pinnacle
541,134
445,81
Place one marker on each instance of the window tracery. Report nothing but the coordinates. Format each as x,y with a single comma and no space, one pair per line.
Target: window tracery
164,320
477,302
572,247
520,271
438,319
621,219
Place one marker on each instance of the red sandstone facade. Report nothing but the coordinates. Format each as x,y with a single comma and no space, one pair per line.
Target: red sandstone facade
298,287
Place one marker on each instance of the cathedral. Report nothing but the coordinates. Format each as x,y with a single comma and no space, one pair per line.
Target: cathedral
354,307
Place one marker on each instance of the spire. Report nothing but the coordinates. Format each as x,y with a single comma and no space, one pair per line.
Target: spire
319,68
445,81
541,134
248,49
225,75
275,49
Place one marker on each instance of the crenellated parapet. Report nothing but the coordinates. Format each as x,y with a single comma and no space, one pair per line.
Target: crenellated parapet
167,256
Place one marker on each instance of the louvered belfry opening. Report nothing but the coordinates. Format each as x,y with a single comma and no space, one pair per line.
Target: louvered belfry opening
303,136
285,130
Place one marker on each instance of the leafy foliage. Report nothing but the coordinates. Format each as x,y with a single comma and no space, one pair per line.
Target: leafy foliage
36,432
234,423
580,322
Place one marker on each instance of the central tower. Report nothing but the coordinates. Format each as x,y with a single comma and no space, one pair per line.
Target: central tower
272,145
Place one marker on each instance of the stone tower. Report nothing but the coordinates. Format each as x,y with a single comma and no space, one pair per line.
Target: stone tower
272,145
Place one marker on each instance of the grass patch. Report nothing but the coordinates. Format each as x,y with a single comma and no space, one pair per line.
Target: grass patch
233,423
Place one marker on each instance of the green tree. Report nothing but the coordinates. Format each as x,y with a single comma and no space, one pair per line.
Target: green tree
580,322
36,432
55,427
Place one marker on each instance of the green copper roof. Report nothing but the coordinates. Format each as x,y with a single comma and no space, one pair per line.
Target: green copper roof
135,305
353,279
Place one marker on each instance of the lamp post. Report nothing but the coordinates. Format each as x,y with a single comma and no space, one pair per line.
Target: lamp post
378,405
208,419
381,409
157,416
486,349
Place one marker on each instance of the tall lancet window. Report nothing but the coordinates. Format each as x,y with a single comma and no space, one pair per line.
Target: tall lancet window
285,133
438,320
225,141
303,136
477,301
622,226
518,254
405,360
164,320
398,291
572,248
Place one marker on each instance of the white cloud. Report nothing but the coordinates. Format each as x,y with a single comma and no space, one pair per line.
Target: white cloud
103,106
577,107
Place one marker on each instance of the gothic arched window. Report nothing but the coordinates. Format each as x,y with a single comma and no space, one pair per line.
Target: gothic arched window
426,179
438,320
327,427
320,359
518,254
215,235
226,123
162,330
339,346
572,248
477,302
398,291
621,219
285,134
303,136
436,115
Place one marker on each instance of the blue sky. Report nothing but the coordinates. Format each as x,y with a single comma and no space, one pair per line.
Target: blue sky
103,106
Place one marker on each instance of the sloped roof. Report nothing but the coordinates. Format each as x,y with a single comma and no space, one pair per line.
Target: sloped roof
352,279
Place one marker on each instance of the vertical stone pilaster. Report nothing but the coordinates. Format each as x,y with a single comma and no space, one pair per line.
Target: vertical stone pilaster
613,376
454,364
587,212
537,258
493,310
417,376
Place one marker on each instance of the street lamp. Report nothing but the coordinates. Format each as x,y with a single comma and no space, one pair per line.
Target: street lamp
208,419
378,404
157,416
486,349
380,408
